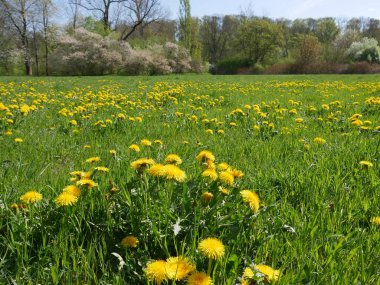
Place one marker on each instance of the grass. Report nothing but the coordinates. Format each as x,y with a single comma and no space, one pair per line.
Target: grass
317,203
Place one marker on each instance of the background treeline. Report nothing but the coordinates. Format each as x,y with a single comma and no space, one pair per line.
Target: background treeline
137,37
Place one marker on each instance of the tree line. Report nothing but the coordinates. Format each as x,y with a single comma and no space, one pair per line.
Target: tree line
137,37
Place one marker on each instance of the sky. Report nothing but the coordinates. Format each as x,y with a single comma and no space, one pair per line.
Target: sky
290,9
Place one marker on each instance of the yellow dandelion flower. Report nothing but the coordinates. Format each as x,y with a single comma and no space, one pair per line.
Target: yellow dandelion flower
155,271
18,140
173,159
205,155
237,173
177,268
146,142
366,164
209,164
299,120
227,178
212,248
207,197
66,199
223,190
31,197
72,189
252,199
270,273
112,152
173,172
157,170
159,142
102,169
87,146
199,278
134,147
87,183
210,173
319,140
375,221
93,159
223,166
248,275
142,163
73,123
130,241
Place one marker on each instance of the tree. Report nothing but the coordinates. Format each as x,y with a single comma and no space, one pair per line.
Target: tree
19,13
102,7
326,30
47,9
309,50
140,14
216,33
258,39
185,23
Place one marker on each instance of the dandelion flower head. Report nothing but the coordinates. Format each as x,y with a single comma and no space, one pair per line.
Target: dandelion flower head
212,248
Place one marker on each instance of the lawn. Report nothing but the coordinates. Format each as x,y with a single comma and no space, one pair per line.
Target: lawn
148,180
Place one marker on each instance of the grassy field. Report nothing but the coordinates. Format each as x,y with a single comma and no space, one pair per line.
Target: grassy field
282,172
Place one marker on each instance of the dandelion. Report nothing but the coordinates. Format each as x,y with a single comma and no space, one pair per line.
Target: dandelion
205,155
207,197
87,183
375,221
178,267
73,190
112,152
134,147
31,197
210,173
237,173
173,172
87,146
227,178
142,163
146,142
155,271
102,169
199,278
223,190
66,199
248,275
93,159
173,159
156,170
223,166
73,123
270,274
319,140
365,164
252,199
212,248
19,140
129,241
159,142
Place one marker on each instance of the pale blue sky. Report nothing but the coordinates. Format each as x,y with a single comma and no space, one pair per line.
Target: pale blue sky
281,8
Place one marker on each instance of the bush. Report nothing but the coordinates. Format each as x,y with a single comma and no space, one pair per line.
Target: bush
365,50
233,66
86,53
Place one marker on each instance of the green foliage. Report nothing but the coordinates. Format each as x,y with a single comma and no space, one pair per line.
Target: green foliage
258,38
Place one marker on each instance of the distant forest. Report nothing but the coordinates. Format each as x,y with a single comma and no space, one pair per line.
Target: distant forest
136,37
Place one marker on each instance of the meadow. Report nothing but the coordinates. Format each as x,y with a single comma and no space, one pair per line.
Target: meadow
191,179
